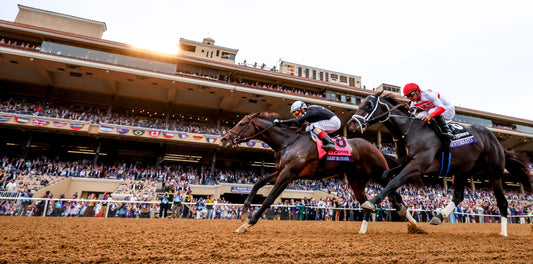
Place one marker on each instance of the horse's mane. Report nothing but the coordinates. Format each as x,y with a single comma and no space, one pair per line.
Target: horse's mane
391,100
268,115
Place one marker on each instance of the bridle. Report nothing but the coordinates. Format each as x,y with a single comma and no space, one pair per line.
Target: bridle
238,138
367,119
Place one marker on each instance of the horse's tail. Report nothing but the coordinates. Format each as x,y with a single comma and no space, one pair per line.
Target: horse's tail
518,165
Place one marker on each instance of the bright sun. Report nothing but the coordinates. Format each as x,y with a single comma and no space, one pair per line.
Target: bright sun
161,45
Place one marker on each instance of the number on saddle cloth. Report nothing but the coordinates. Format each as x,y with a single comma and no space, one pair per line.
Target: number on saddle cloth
342,152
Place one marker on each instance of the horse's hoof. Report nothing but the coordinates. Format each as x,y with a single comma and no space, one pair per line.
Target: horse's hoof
243,228
436,220
368,205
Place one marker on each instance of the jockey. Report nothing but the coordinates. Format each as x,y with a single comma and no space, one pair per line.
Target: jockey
432,106
322,121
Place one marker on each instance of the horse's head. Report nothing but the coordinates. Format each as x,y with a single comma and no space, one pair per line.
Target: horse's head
372,110
249,127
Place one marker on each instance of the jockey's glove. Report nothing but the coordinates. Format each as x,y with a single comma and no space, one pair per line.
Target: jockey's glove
276,121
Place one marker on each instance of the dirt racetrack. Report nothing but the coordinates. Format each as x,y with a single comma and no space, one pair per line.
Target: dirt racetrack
92,240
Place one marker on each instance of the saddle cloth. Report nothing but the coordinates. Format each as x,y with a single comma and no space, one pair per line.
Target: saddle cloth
461,136
342,152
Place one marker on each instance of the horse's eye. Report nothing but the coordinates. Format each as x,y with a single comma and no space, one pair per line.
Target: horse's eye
370,106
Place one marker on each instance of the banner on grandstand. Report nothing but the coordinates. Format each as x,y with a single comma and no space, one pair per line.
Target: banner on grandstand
122,130
197,137
168,134
182,135
138,132
250,143
40,122
154,133
106,129
60,124
265,145
4,118
239,189
77,126
211,140
21,119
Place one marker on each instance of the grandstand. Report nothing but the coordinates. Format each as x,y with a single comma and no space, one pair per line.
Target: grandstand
95,108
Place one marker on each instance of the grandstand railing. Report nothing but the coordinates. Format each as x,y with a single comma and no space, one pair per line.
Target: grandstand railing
236,208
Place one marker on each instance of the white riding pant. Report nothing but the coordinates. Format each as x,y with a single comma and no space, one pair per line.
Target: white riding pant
330,125
447,115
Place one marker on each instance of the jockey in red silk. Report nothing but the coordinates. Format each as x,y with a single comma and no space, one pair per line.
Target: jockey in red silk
321,121
432,105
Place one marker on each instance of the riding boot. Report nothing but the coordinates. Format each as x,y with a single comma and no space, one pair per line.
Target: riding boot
327,143
445,132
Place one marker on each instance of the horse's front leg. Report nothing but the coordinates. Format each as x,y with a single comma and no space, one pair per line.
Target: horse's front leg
258,185
411,170
283,180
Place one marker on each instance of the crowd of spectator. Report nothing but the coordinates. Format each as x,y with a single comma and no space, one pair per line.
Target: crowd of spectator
141,182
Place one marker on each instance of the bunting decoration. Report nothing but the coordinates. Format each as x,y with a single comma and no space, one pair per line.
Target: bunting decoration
154,133
250,143
39,122
122,130
77,126
138,132
211,140
168,134
4,118
21,119
197,137
106,129
182,135
60,124
265,145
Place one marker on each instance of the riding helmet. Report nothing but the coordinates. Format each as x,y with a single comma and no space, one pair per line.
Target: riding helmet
409,88
298,105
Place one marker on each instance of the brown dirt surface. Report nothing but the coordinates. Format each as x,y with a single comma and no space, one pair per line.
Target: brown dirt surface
93,240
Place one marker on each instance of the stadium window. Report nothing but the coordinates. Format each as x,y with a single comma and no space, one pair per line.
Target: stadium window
321,76
327,77
186,47
334,77
299,71
314,74
351,81
343,79
306,73
218,53
227,55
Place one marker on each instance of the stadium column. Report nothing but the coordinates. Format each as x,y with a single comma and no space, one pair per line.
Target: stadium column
97,152
111,103
214,160
27,148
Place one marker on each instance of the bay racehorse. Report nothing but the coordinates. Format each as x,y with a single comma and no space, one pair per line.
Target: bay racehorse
419,151
296,157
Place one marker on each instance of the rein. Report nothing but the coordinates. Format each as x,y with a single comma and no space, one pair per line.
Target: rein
238,136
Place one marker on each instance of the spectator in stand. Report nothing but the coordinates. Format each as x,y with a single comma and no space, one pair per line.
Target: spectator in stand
176,206
210,207
163,206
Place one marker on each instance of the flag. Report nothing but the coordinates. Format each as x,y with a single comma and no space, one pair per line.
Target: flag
265,145
77,126
22,119
168,134
4,118
138,132
211,140
250,143
154,133
122,130
106,129
38,122
197,137
182,135
60,124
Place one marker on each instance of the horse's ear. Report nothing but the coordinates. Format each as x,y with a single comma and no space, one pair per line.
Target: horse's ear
380,93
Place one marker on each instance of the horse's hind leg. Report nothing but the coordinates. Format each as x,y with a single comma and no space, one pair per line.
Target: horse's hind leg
497,188
258,185
458,196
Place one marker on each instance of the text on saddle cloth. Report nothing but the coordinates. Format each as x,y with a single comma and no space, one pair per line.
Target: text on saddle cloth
461,136
342,152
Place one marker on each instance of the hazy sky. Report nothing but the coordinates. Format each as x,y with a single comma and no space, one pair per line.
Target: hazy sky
478,54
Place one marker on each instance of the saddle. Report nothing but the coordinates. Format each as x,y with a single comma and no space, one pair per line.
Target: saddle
461,137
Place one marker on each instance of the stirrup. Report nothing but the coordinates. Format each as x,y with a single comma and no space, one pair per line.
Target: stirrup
328,147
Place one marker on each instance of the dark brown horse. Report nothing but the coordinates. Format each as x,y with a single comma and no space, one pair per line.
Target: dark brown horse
297,158
419,150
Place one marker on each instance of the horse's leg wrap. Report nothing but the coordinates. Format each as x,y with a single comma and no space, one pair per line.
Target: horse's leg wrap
364,227
447,210
368,205
504,226
243,228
